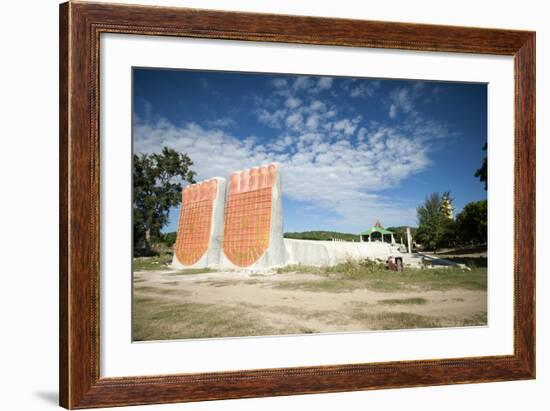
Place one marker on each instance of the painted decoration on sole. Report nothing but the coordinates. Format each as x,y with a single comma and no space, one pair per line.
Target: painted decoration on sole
249,214
199,229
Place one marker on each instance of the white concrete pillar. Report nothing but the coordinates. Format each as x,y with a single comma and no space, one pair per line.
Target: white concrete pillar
409,240
392,239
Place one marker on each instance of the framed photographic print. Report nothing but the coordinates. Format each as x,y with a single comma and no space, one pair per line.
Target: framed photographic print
258,205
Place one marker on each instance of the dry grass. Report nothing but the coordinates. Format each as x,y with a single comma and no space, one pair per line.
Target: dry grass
396,321
167,307
160,262
154,319
191,271
406,321
353,275
162,291
403,301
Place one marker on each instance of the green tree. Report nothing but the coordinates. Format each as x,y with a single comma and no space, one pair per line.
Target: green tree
472,223
157,183
434,227
169,238
321,235
481,172
400,232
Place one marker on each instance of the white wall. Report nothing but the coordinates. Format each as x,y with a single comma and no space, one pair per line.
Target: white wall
28,168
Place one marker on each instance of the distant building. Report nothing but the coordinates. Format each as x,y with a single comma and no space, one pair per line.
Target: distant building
376,231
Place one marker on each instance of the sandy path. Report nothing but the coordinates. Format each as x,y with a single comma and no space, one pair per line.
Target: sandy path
317,311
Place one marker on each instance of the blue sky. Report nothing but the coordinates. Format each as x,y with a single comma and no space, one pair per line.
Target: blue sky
352,150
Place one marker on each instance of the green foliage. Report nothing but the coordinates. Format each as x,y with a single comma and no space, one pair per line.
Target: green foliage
451,237
159,262
400,232
368,274
472,223
481,172
469,228
157,184
321,236
436,231
168,239
432,224
349,268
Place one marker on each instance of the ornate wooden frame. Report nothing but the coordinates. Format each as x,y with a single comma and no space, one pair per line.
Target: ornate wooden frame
80,27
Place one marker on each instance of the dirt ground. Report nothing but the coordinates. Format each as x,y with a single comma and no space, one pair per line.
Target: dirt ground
170,304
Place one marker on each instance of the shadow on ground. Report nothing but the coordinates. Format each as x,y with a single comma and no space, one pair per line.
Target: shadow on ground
51,397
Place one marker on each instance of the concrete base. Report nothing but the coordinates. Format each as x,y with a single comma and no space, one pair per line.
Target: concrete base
316,253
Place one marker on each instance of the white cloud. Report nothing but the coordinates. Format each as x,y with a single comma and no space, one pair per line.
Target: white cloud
301,83
313,121
306,84
222,122
330,160
324,83
295,121
346,125
337,176
292,102
279,83
360,89
272,118
401,102
392,113
361,134
363,90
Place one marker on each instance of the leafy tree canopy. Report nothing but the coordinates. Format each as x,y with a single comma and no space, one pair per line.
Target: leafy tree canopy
472,223
481,172
400,232
321,235
432,223
157,179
